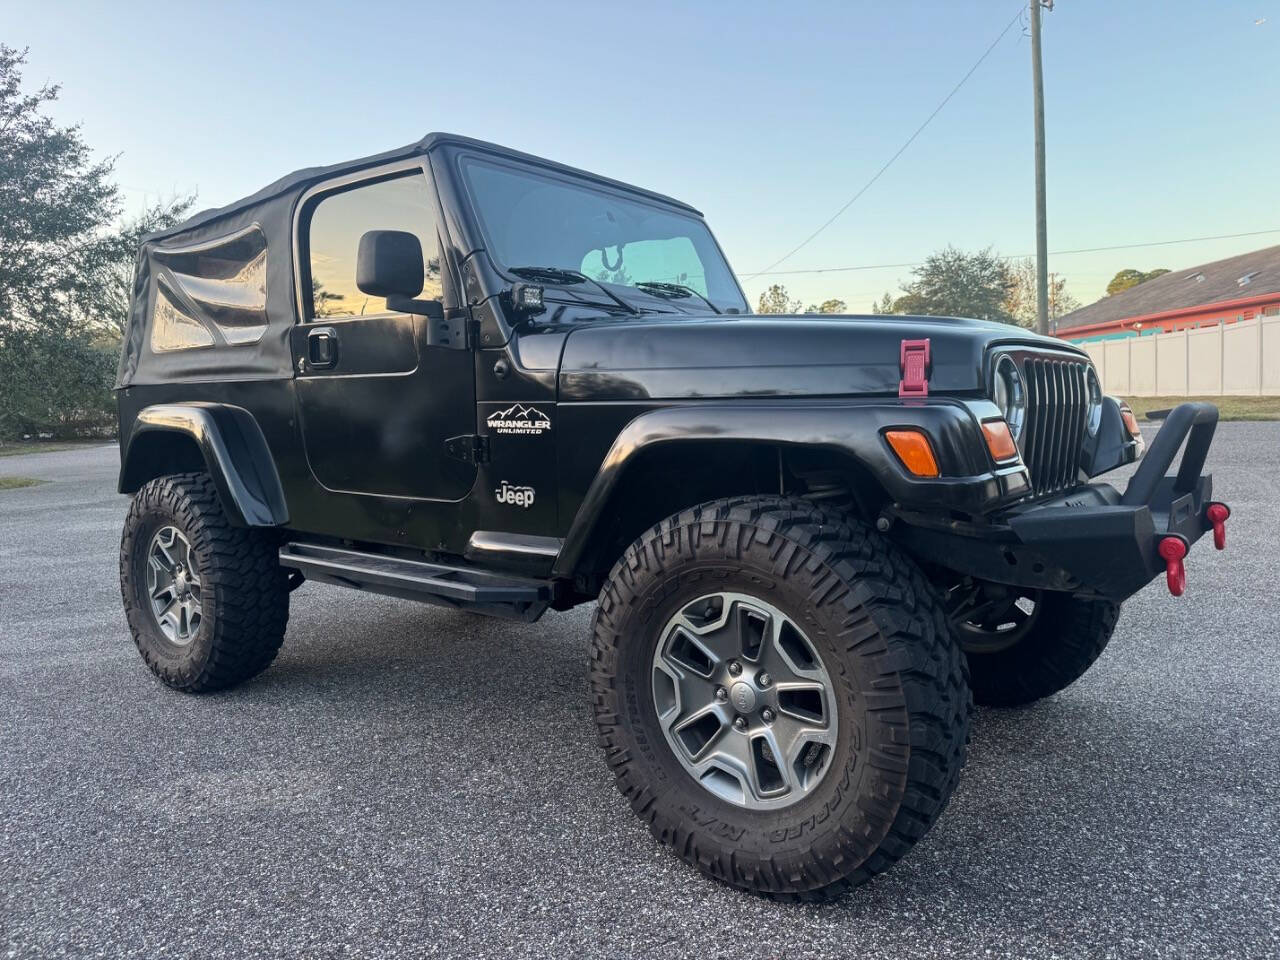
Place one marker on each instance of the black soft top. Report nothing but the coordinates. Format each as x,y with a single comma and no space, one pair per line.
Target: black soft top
301,180
213,296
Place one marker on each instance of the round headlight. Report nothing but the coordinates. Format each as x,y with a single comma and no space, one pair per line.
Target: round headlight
1095,400
1009,394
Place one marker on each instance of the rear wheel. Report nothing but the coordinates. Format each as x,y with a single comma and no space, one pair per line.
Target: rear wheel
1024,645
207,603
778,694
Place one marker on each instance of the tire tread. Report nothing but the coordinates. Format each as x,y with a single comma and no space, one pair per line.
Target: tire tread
250,590
1069,636
884,598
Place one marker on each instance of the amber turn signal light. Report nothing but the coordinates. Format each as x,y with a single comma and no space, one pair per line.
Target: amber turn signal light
999,440
914,450
1130,421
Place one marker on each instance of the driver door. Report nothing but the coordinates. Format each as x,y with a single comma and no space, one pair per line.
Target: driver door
376,403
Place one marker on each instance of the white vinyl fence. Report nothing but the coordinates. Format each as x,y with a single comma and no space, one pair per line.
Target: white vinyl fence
1241,358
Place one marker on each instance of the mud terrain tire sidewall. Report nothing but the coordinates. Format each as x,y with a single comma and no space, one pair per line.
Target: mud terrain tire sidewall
244,591
903,704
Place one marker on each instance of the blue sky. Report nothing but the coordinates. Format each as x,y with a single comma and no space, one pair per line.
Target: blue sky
1161,116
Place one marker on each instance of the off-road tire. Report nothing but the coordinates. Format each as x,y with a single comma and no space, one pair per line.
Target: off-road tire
245,591
899,678
1069,634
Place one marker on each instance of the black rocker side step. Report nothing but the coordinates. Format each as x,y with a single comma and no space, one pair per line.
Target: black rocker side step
463,587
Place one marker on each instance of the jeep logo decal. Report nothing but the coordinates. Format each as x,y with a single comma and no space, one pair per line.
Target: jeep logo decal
514,496
520,419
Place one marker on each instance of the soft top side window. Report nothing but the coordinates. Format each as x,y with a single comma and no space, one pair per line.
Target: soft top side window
336,223
219,286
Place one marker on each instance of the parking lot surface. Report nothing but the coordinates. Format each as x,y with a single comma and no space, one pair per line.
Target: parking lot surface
408,781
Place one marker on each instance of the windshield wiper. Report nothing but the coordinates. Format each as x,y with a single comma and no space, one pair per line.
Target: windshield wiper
674,289
561,275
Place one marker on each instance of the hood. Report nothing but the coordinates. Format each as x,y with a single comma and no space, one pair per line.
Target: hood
777,356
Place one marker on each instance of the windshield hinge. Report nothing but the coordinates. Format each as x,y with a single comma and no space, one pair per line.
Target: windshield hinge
468,448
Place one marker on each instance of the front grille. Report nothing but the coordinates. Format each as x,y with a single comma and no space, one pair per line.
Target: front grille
1057,413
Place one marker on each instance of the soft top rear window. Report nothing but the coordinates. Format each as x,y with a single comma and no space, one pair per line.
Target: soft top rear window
213,293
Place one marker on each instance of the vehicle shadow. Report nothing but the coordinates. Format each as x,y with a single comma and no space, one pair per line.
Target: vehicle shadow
1069,811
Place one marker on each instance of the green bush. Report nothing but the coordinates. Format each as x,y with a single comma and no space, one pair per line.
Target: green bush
55,384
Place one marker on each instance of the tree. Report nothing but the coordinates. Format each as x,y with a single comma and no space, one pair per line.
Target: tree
1129,278
52,200
827,306
66,266
110,260
1021,301
322,298
954,283
777,300
907,304
915,304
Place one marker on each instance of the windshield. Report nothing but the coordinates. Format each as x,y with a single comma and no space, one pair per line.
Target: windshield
531,219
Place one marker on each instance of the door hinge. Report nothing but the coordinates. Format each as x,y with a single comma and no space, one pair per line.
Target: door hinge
468,448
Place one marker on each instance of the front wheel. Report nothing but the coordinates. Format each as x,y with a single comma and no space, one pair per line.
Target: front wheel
778,694
1024,645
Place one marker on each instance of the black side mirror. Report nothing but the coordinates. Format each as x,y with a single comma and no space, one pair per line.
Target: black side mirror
389,264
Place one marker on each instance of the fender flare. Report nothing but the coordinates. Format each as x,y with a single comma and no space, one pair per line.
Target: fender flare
970,481
235,453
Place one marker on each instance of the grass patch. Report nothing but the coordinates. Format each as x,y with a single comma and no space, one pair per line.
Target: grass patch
15,483
1229,408
20,449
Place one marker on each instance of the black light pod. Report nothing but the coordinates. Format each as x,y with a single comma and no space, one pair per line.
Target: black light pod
526,299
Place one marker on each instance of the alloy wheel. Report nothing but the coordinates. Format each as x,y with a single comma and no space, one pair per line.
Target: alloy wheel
988,618
744,701
173,585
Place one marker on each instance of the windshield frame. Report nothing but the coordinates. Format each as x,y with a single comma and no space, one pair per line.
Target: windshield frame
641,299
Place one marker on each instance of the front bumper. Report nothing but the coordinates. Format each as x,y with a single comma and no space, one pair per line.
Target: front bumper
1093,539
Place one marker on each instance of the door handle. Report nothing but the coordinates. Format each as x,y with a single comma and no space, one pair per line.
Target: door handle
322,348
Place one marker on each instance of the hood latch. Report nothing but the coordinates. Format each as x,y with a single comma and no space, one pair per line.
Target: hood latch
913,363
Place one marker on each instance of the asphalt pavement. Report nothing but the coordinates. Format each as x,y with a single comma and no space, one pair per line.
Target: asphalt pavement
409,781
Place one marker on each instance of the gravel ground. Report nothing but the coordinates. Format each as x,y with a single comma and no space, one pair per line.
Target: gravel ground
412,781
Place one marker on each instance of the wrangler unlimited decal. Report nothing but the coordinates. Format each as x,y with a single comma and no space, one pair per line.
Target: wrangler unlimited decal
519,419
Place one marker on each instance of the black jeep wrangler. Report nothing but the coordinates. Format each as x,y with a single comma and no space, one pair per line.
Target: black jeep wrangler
461,374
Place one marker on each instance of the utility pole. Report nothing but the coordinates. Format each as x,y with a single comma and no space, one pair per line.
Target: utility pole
1042,233
1053,302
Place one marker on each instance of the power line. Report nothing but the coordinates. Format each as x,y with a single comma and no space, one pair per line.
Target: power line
1020,256
901,150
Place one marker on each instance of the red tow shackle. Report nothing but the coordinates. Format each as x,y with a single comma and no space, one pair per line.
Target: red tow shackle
1172,549
1216,513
